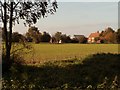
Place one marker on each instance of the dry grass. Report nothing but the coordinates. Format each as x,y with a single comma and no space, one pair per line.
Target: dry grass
55,52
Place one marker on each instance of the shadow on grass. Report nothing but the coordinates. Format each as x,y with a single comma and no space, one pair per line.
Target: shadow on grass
91,71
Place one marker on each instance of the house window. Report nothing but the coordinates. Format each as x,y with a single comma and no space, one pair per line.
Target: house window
92,38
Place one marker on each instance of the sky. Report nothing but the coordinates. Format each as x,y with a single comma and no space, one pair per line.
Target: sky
78,18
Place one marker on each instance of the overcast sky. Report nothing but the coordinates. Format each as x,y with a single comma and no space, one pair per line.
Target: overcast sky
78,18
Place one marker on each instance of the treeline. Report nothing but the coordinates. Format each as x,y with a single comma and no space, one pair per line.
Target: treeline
109,36
34,35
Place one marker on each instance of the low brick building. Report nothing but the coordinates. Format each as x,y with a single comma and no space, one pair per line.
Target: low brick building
94,37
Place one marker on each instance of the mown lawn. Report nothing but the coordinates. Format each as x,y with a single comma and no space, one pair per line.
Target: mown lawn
54,52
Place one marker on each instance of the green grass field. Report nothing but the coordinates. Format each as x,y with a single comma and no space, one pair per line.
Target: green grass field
65,75
55,52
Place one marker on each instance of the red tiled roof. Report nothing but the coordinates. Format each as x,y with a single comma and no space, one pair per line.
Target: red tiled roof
94,34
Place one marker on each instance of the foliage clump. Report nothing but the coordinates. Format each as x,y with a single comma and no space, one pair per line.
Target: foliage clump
99,71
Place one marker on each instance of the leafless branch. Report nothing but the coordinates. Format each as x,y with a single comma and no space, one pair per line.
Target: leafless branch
1,14
16,5
1,4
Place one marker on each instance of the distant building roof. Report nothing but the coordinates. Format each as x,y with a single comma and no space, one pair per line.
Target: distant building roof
78,36
96,34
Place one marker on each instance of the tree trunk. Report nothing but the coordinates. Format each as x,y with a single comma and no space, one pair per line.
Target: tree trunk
8,34
10,28
5,29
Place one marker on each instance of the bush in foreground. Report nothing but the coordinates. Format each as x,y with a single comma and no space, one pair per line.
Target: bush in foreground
96,71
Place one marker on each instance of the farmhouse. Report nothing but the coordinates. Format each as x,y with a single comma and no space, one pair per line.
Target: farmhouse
94,37
80,38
